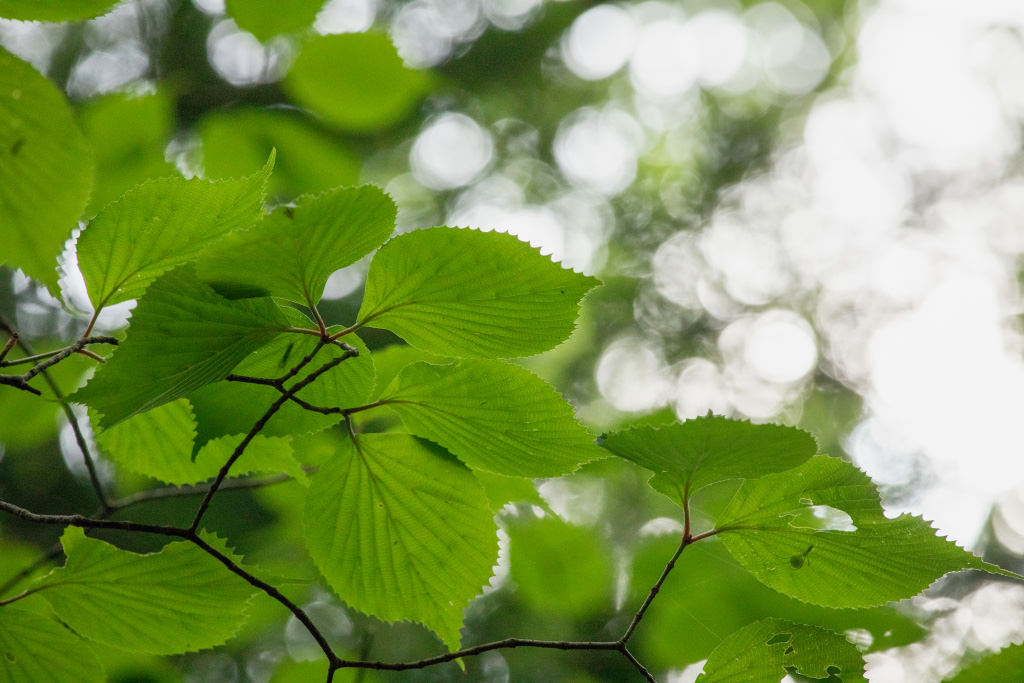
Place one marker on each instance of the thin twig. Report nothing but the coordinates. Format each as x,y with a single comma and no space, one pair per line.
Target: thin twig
507,643
8,346
91,523
640,667
653,592
196,490
51,554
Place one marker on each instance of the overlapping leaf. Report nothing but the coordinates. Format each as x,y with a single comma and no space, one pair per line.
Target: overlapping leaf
159,225
401,531
46,166
177,600
267,18
687,456
1005,665
183,336
34,649
356,81
768,650
232,407
470,293
818,534
159,444
293,251
493,416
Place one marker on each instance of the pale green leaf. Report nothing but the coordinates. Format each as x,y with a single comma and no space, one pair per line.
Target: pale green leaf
469,293
268,18
183,336
1005,665
161,224
233,407
356,81
401,531
767,650
390,360
177,600
46,169
54,10
128,135
293,251
493,416
688,456
34,649
237,143
818,534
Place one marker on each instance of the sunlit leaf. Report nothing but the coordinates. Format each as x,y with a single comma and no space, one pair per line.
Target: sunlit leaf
768,650
437,289
1005,665
818,534
183,336
35,649
46,167
688,456
54,10
161,224
356,81
492,416
177,600
293,251
401,531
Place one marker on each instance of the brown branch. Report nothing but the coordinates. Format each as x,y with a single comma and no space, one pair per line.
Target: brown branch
91,523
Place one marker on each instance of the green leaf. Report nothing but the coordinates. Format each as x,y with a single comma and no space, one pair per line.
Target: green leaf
401,531
177,600
46,168
129,135
54,10
159,444
161,224
237,143
1005,665
688,456
794,531
268,18
560,570
768,650
293,251
469,293
183,336
356,81
34,649
390,360
709,595
493,416
233,407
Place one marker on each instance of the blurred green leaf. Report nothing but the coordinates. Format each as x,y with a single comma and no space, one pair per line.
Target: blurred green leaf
128,135
688,456
772,648
36,649
292,251
356,81
493,416
46,169
177,600
437,290
183,336
1005,665
401,531
237,142
559,569
54,10
268,18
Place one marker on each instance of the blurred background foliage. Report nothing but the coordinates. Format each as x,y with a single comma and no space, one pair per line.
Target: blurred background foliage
802,212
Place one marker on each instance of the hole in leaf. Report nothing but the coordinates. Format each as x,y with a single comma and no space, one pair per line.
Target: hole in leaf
779,638
820,518
9,656
833,670
798,561
16,147
789,650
